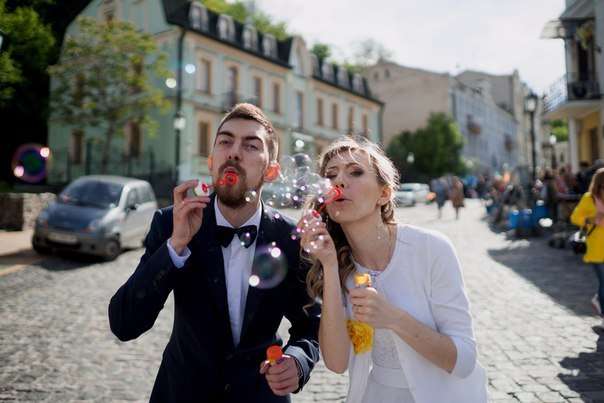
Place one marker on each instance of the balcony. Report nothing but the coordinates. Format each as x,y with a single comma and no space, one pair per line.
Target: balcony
571,95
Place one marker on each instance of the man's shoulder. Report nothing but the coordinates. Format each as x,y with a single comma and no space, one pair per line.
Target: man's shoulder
163,216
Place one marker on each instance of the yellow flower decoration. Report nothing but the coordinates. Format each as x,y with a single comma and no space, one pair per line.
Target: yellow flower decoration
361,336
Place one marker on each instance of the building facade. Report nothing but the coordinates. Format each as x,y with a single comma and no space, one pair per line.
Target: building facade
309,101
576,96
410,95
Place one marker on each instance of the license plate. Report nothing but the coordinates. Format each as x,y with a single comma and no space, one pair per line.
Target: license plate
63,238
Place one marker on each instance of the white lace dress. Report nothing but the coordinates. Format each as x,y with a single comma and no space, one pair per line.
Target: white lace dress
387,382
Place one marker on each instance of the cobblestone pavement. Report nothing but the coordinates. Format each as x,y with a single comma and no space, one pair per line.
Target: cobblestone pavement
530,303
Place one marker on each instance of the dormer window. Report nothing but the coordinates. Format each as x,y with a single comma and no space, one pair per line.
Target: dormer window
327,71
357,83
226,28
314,60
343,77
269,46
198,17
250,37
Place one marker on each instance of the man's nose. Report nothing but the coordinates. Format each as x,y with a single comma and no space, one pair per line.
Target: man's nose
235,153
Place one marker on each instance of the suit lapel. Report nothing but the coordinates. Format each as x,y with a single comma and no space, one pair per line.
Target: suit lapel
266,235
209,261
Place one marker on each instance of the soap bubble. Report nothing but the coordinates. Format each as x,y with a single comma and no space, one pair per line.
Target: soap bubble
29,162
250,196
269,268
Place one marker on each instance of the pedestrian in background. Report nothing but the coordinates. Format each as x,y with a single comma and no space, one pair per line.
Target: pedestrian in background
456,194
589,214
439,187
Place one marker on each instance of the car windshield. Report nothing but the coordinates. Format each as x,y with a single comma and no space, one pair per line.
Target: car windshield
92,193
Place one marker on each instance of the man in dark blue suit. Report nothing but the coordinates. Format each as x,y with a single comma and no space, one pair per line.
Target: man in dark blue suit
203,249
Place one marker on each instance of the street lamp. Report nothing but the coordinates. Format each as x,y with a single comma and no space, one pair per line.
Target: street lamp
179,125
552,143
1,39
530,106
410,158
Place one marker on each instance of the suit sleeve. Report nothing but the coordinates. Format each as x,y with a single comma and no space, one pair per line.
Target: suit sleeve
303,342
136,304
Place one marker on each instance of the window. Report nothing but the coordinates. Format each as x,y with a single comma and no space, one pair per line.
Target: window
133,198
387,73
315,64
232,80
204,139
276,98
269,46
376,76
365,125
351,119
137,72
76,146
79,85
327,71
343,77
134,139
297,62
204,76
299,118
250,37
258,91
320,120
334,116
226,28
198,17
357,83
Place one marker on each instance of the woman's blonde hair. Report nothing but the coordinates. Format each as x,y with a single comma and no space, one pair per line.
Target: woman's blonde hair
386,175
597,184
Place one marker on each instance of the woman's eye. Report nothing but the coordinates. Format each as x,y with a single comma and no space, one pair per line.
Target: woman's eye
356,173
330,176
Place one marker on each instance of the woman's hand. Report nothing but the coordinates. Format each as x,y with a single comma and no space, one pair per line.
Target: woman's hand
371,307
315,240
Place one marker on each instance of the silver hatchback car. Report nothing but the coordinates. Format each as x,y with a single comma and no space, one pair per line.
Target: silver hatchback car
98,215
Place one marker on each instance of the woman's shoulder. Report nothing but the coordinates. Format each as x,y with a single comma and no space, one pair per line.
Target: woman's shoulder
423,237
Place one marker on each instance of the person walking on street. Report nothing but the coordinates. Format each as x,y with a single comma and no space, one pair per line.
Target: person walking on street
589,214
456,194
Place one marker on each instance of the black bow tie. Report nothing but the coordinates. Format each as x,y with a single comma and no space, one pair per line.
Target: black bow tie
246,234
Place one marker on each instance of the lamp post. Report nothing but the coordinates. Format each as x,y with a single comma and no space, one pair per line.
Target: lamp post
530,106
552,143
179,119
1,39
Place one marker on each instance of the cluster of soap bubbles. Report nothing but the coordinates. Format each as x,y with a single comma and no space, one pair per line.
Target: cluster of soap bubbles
296,183
30,161
269,268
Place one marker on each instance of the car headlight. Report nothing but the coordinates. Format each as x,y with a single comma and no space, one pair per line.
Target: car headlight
94,225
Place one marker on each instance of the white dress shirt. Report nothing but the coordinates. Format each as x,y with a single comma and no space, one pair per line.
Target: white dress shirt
237,269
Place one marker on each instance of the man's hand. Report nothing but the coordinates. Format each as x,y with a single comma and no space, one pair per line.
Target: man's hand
283,377
188,215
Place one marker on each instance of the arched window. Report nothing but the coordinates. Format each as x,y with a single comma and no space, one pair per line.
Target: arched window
343,77
357,83
226,28
269,46
250,37
327,71
198,17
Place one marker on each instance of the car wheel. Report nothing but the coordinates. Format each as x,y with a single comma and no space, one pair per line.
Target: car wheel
41,250
112,250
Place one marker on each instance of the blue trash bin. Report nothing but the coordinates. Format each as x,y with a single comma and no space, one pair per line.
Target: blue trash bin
525,219
513,218
539,212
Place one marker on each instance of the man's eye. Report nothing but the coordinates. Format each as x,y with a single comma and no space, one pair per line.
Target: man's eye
253,147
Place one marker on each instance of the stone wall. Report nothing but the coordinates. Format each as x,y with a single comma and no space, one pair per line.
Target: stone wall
18,211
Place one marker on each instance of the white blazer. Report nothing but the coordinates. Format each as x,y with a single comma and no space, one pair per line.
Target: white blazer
424,278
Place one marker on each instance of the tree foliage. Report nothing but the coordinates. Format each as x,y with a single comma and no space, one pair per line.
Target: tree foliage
436,148
559,128
247,11
26,50
104,79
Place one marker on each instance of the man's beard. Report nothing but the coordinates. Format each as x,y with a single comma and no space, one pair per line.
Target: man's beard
233,196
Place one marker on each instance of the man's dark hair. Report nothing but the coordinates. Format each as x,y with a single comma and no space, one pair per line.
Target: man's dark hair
252,112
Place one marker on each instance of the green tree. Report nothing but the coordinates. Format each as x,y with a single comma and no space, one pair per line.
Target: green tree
28,46
559,128
244,11
104,79
321,50
436,148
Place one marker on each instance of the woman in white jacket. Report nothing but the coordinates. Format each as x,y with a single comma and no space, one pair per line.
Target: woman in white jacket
416,342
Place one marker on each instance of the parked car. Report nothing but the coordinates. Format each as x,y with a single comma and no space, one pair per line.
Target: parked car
420,191
97,215
404,197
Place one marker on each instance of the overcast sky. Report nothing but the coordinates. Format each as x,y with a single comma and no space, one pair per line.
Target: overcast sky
495,36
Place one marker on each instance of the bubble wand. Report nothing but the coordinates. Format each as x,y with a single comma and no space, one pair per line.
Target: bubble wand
229,179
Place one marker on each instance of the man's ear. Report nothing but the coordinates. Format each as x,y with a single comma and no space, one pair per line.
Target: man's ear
210,161
272,172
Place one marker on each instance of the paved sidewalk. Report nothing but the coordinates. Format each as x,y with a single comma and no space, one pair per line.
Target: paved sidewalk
16,252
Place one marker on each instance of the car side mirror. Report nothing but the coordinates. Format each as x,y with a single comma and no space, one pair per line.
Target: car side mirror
131,207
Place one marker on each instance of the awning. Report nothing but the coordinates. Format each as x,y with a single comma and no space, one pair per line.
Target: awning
554,29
